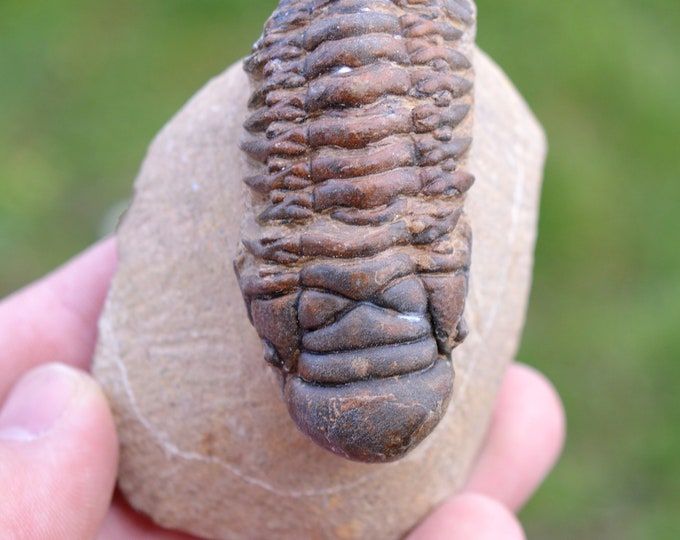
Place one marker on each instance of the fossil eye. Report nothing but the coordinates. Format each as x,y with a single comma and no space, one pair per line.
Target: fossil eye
355,249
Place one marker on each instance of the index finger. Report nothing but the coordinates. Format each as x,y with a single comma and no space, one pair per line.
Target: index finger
55,318
525,439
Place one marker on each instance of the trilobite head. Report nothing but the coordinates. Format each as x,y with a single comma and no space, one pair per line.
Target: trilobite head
355,250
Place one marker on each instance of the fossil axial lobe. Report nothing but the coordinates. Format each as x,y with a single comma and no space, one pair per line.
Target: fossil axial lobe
354,250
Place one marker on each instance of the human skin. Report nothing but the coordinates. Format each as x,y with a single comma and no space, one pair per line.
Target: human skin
59,451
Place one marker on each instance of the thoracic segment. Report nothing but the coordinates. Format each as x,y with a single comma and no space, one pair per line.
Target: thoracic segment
355,250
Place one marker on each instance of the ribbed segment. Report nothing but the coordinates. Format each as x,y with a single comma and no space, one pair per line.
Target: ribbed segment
355,250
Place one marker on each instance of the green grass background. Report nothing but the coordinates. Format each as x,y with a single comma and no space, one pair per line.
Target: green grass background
85,84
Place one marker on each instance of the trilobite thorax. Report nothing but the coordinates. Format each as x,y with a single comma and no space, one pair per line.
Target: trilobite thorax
355,251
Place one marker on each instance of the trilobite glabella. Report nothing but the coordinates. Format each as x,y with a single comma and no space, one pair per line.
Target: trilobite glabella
355,250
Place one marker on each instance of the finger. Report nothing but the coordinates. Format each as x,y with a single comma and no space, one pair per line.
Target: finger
524,440
123,523
58,456
469,517
55,318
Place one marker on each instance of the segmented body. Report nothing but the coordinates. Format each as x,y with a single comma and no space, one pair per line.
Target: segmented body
355,251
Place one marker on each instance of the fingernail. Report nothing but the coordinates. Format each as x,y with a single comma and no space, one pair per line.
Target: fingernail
37,402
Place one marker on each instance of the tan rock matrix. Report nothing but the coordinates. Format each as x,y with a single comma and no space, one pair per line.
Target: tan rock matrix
207,444
355,251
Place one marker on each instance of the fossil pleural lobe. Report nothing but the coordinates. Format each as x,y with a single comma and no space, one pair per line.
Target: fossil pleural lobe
355,249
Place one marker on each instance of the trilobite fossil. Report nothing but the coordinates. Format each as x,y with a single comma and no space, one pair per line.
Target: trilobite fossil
354,252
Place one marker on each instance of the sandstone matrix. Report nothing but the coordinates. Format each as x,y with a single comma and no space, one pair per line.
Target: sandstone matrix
207,445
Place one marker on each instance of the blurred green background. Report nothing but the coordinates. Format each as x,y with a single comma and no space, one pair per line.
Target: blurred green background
85,84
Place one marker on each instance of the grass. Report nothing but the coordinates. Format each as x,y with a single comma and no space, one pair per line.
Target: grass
603,78
85,85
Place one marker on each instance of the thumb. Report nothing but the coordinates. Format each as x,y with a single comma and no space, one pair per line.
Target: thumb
58,456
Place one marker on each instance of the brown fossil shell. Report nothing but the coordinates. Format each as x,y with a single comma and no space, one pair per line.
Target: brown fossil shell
355,249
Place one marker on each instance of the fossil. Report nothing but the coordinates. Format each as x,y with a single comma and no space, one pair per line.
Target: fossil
355,250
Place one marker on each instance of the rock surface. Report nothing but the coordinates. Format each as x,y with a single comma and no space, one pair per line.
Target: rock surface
207,445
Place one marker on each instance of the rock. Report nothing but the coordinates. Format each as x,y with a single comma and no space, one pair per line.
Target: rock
207,445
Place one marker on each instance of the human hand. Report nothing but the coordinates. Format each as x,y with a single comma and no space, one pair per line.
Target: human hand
58,446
